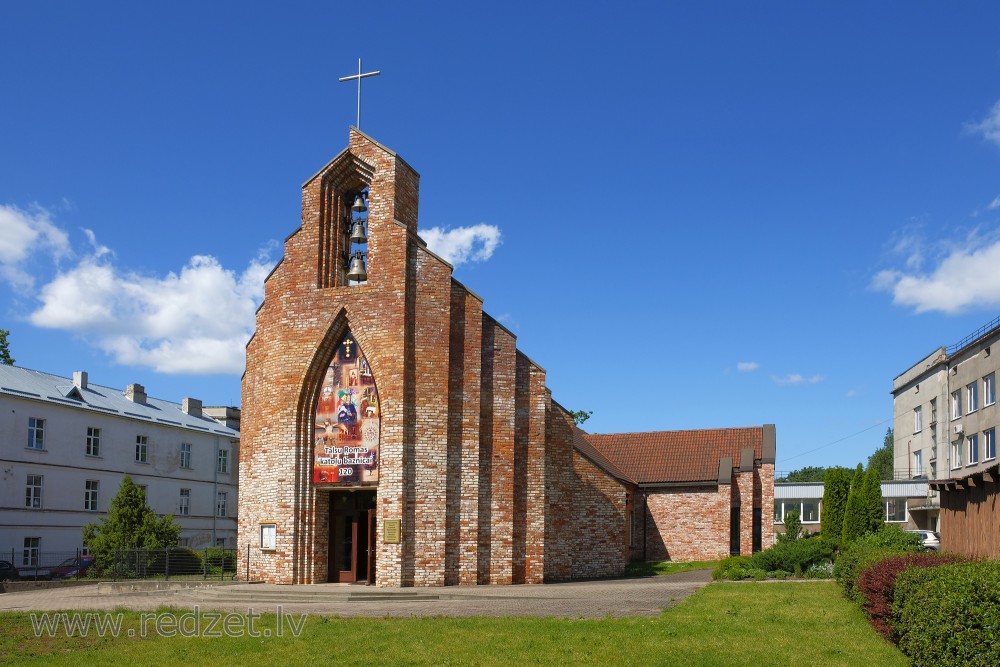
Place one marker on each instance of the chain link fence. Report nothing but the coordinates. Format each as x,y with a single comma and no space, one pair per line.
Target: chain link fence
215,563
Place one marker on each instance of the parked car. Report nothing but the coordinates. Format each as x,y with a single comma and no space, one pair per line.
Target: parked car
931,540
72,567
8,572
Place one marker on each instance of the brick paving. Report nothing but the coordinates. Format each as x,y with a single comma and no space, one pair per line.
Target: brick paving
582,599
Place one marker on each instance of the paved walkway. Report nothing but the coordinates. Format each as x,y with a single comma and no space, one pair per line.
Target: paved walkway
583,599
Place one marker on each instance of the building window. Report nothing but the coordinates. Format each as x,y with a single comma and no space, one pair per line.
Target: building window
33,492
221,503
141,449
990,389
990,443
184,541
93,441
933,411
972,393
223,465
956,404
918,419
918,464
220,542
956,454
185,454
29,557
184,504
36,433
91,487
895,509
808,509
973,442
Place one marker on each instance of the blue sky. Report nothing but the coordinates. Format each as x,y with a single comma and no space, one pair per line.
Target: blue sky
692,215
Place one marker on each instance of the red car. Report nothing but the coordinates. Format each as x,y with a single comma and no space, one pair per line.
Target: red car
72,568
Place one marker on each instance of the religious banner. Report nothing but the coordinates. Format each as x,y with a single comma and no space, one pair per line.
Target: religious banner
347,421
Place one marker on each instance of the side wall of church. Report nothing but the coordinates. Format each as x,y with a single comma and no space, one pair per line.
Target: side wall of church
682,523
600,522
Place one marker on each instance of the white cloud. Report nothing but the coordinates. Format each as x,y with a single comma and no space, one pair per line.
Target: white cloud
965,277
463,244
195,321
852,393
795,378
989,127
25,234
993,205
747,366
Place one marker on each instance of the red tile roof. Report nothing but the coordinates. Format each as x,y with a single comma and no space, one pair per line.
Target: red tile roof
671,457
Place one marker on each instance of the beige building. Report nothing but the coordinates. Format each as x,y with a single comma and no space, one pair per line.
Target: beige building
945,416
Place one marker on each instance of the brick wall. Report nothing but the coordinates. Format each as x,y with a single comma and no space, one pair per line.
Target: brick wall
600,525
682,523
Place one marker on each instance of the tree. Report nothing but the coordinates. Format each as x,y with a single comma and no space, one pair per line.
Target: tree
5,357
130,524
807,474
793,527
855,515
580,416
874,503
836,487
882,459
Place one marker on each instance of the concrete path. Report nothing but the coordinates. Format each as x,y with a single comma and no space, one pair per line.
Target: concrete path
586,599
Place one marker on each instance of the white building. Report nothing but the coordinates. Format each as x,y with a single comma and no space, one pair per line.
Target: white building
65,445
945,414
902,500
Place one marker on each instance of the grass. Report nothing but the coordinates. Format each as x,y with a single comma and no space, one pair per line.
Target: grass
649,569
777,623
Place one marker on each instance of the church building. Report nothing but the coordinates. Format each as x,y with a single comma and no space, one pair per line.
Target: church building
393,433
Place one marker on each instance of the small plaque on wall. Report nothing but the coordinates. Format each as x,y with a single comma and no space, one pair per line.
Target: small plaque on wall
390,531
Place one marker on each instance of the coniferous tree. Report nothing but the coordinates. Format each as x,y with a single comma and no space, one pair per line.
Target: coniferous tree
874,503
855,514
836,487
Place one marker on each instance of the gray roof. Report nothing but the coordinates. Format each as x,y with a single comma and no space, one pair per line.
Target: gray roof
47,388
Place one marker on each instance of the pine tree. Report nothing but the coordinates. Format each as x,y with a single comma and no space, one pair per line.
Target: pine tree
855,514
836,487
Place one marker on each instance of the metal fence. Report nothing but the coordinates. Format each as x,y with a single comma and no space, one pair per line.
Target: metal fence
170,563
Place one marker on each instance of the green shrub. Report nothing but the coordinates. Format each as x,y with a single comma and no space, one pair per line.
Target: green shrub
949,615
793,527
793,555
890,540
732,568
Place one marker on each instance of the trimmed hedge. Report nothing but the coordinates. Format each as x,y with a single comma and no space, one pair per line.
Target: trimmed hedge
877,585
890,540
949,615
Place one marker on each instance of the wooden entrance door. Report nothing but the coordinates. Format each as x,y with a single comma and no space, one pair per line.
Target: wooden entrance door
352,537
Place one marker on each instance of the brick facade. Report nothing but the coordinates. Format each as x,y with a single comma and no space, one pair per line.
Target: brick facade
476,463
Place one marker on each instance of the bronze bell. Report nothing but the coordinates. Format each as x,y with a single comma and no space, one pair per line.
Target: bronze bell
358,232
359,204
357,272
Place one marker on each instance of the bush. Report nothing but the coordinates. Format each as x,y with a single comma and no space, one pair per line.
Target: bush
890,540
793,555
732,568
877,584
949,615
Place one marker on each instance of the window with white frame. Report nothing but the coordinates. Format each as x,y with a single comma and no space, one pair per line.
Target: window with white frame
933,411
918,419
36,433
33,492
895,509
221,503
141,449
222,467
973,447
972,396
956,404
93,441
990,443
808,509
185,454
918,463
956,454
29,557
990,389
184,503
91,488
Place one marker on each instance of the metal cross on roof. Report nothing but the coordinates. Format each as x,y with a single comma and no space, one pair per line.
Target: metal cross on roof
359,76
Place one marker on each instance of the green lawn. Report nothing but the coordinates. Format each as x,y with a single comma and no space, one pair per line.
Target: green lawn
781,623
649,569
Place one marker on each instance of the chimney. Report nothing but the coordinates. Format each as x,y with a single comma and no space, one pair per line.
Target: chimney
135,393
191,406
80,379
